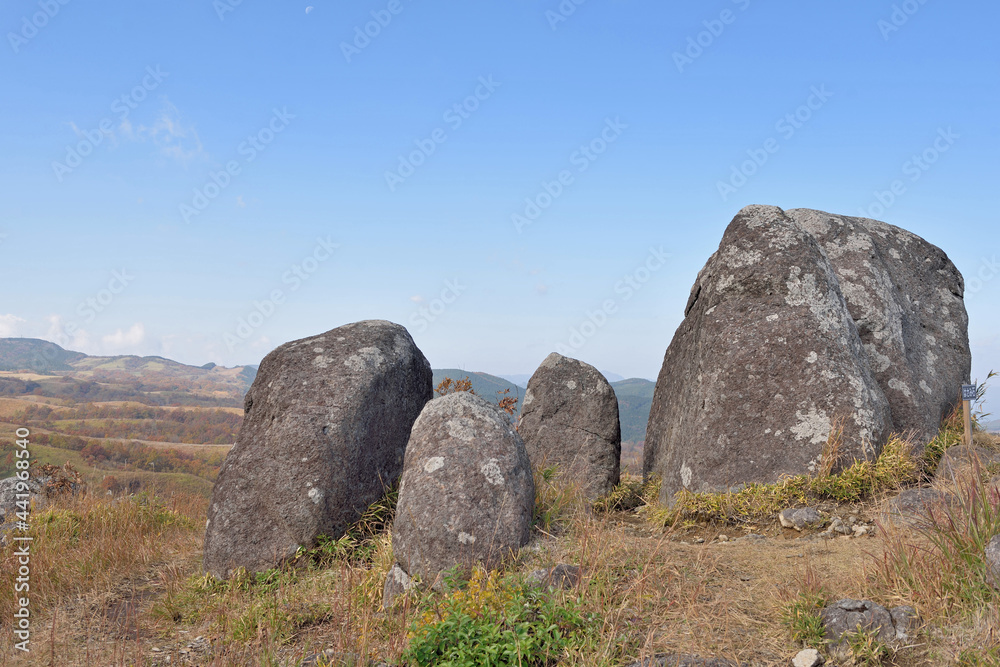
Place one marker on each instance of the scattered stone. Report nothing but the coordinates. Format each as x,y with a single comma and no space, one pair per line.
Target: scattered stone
860,530
560,576
467,493
907,299
699,540
804,517
569,419
912,506
324,434
397,583
837,526
809,657
849,616
723,537
993,562
766,305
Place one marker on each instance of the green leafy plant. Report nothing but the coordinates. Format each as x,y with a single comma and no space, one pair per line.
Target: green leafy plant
497,621
802,617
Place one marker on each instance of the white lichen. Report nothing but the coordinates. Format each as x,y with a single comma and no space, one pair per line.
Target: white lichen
491,469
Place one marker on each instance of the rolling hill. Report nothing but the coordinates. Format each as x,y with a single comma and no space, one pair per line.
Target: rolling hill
29,366
33,367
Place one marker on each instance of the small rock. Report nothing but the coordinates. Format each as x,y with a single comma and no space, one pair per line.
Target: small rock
837,526
993,562
809,657
904,617
860,530
397,582
848,615
560,576
805,517
723,537
699,540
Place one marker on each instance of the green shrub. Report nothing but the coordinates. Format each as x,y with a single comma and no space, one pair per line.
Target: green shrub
497,621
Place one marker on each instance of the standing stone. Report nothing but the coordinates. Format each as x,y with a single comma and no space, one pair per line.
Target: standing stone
907,299
569,419
324,433
765,362
467,493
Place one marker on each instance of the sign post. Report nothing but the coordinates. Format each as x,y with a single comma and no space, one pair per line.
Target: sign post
968,396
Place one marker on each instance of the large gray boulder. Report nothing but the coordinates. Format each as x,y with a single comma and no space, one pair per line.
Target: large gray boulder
569,419
467,493
324,433
766,361
907,299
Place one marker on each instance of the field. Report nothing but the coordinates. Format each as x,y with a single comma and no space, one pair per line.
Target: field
123,584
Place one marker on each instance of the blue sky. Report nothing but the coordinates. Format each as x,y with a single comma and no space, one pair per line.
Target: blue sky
168,168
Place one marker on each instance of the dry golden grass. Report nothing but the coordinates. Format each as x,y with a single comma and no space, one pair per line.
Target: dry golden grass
117,579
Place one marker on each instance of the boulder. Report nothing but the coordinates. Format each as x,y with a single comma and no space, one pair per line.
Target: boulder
569,419
765,363
324,434
467,493
907,299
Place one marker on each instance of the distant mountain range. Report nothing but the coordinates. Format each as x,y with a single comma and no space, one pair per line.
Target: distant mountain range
635,396
33,366
521,379
992,426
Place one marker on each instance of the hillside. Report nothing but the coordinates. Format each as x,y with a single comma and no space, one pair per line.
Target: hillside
483,384
29,366
635,397
35,355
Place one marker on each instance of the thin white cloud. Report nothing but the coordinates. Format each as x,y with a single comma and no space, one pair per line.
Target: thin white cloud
416,298
125,341
10,325
78,340
168,132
